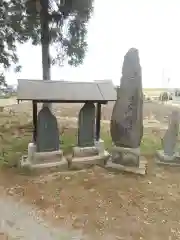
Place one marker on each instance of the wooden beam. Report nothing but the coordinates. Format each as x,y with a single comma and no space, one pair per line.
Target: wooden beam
34,121
63,101
98,121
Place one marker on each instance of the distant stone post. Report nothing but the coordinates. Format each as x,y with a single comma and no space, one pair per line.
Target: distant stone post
169,155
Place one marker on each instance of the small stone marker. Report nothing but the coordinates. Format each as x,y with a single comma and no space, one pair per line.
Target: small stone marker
47,131
170,138
86,125
88,151
168,155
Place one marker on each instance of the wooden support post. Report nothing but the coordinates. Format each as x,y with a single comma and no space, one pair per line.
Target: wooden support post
34,121
98,121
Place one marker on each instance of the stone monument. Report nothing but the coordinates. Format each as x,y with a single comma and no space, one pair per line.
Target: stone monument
45,145
47,131
86,125
46,151
127,117
169,154
88,151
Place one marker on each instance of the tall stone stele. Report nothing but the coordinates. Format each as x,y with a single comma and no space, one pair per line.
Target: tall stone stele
127,116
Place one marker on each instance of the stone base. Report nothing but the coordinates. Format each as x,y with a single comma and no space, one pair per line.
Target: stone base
129,157
26,163
97,149
141,169
84,162
85,151
88,156
163,159
81,158
42,159
100,146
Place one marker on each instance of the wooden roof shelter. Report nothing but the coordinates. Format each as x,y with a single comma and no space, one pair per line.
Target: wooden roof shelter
99,92
65,91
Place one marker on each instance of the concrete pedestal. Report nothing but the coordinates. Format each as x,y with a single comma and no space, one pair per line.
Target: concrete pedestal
85,151
127,160
126,156
88,156
163,159
43,159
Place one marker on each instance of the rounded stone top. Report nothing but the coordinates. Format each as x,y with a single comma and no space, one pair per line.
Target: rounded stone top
131,65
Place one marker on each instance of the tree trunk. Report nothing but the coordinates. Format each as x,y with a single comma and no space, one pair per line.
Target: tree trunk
45,41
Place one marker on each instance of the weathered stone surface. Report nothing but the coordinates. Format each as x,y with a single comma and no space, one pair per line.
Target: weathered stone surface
141,169
42,157
135,151
127,116
162,159
126,157
165,158
85,151
100,146
86,125
84,162
170,138
43,160
47,131
31,151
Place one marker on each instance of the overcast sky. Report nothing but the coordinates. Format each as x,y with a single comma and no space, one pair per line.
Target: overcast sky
152,26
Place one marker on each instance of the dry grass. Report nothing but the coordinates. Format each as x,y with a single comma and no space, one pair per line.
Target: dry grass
16,129
104,204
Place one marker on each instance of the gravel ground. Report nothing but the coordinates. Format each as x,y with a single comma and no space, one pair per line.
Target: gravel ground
21,221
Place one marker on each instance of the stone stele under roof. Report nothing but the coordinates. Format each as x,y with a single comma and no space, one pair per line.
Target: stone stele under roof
65,91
